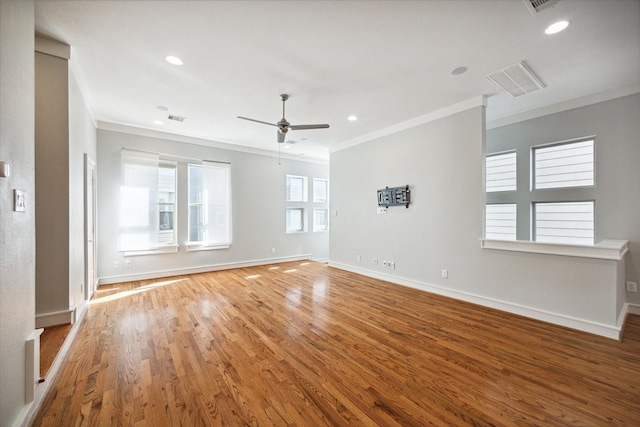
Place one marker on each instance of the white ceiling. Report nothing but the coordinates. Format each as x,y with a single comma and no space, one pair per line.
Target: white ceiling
385,61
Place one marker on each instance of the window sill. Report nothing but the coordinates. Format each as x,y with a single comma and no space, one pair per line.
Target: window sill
199,247
606,249
161,250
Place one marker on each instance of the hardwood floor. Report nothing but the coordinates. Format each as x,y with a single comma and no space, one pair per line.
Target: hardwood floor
51,341
307,345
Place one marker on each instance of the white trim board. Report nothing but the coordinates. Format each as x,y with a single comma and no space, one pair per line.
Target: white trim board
140,131
571,104
202,269
55,318
604,330
477,101
43,387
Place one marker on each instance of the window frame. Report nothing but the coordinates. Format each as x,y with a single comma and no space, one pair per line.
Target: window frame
202,245
534,157
515,171
305,189
534,222
326,190
323,227
303,222
515,220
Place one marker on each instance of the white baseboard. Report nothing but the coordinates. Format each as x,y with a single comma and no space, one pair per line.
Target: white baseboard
608,331
202,269
42,387
633,309
55,318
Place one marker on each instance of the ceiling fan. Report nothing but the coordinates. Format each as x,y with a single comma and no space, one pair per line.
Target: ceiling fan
283,125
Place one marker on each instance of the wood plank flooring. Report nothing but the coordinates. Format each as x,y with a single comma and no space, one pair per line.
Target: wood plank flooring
51,341
303,344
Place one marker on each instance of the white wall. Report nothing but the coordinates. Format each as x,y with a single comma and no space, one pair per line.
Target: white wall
64,133
82,139
258,187
442,162
17,230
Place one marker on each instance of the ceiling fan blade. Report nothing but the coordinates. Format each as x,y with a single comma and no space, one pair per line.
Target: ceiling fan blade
302,127
280,136
257,121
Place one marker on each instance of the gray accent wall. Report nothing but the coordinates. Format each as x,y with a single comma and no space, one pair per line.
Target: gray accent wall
443,163
17,229
616,127
258,206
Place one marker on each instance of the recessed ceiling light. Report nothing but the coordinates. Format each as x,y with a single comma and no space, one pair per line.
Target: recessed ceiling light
459,70
352,118
162,108
173,60
556,27
158,122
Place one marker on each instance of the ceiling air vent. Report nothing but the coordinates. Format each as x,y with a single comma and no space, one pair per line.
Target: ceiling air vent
516,79
535,6
176,118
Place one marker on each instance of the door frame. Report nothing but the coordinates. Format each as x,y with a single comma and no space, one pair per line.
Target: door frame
90,227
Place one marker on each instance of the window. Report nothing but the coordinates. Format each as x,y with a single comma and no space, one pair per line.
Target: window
564,222
295,220
563,165
147,202
500,221
320,190
320,220
296,188
501,172
166,204
209,204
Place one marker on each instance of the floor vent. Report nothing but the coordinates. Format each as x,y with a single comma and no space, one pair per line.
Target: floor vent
516,79
535,6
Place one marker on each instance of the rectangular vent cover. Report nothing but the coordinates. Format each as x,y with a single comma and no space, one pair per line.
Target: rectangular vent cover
535,6
516,79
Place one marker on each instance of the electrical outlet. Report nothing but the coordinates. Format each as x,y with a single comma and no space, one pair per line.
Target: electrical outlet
392,264
127,263
273,250
384,263
359,258
445,274
632,287
116,264
374,260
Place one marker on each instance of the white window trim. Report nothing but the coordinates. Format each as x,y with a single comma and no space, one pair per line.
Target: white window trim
165,249
324,230
502,153
532,156
197,246
313,183
305,188
304,223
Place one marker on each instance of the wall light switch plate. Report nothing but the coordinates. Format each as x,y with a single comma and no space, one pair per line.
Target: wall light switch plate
19,201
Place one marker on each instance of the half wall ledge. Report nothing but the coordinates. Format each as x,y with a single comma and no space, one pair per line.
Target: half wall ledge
606,249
